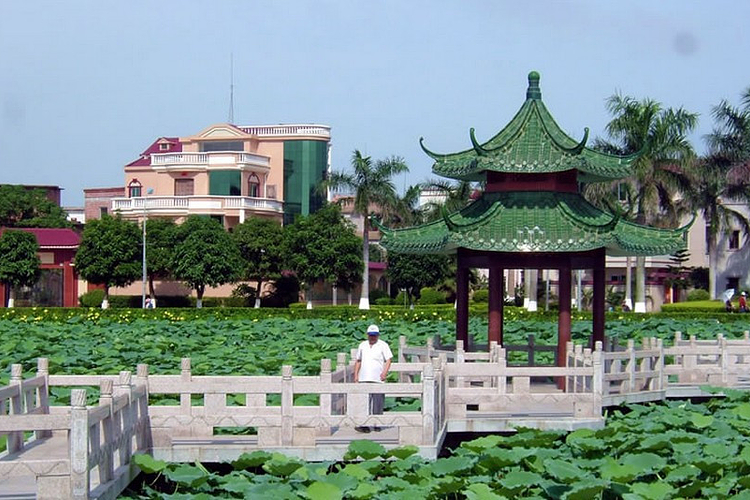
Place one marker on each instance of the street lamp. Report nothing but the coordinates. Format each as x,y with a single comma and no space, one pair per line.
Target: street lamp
145,217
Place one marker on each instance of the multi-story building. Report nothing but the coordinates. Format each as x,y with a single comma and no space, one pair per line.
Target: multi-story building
229,172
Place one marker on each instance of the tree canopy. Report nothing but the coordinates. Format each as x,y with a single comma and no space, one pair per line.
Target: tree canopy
110,253
412,272
322,247
160,243
260,241
205,255
23,207
19,261
372,184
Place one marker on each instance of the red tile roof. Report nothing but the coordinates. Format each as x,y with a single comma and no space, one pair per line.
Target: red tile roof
175,146
51,237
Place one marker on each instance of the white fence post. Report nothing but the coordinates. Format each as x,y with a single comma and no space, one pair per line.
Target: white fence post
106,467
287,406
79,445
428,405
15,439
185,377
42,370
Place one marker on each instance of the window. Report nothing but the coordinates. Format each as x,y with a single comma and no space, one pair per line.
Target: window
224,183
134,189
184,187
622,192
708,237
733,282
253,186
102,211
164,146
222,146
734,240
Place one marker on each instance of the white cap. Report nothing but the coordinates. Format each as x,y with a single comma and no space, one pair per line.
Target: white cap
373,330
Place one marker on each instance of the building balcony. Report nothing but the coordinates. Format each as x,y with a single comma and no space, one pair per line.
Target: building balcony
181,206
210,160
303,130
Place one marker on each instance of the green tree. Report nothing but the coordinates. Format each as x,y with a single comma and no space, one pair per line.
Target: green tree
160,245
451,196
348,250
205,255
720,182
372,183
412,272
660,135
319,246
110,253
259,241
22,207
19,261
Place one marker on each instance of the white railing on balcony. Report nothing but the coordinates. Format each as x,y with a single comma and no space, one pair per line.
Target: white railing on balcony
212,158
288,130
193,204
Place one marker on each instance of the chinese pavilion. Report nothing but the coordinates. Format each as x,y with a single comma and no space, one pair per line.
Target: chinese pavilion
531,215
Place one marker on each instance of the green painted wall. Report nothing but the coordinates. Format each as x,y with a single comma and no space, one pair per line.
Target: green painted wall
305,165
224,183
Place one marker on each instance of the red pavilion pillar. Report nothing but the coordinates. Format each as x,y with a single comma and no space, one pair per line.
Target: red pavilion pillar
462,304
563,319
598,302
495,320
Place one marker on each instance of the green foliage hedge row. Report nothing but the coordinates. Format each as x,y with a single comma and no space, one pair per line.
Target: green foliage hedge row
442,312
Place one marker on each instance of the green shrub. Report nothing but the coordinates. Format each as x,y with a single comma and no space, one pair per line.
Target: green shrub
377,294
481,296
383,301
91,299
698,294
429,295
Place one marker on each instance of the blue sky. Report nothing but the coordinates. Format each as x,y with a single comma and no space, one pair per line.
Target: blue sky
85,86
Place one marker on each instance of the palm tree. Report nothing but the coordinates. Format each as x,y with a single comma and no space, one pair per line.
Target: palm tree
454,197
660,135
373,190
721,181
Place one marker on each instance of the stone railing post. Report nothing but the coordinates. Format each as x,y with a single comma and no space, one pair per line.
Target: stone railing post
15,439
724,360
428,405
42,370
631,367
143,428
325,382
401,348
430,348
459,357
597,383
287,406
79,445
124,387
438,374
186,377
106,467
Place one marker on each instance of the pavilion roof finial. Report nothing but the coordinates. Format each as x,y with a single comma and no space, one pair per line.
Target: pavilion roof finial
534,92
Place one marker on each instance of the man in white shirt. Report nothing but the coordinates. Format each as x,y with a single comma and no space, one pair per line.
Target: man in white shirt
372,365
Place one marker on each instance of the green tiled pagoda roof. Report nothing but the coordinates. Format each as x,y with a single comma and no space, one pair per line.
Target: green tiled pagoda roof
533,222
531,143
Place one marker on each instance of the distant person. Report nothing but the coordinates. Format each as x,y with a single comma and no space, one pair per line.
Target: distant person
372,365
728,306
743,302
625,307
150,303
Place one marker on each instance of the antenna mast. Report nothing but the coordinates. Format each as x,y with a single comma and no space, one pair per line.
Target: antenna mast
230,119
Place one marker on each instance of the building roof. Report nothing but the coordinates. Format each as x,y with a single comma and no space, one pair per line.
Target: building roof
49,238
539,222
531,143
174,146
